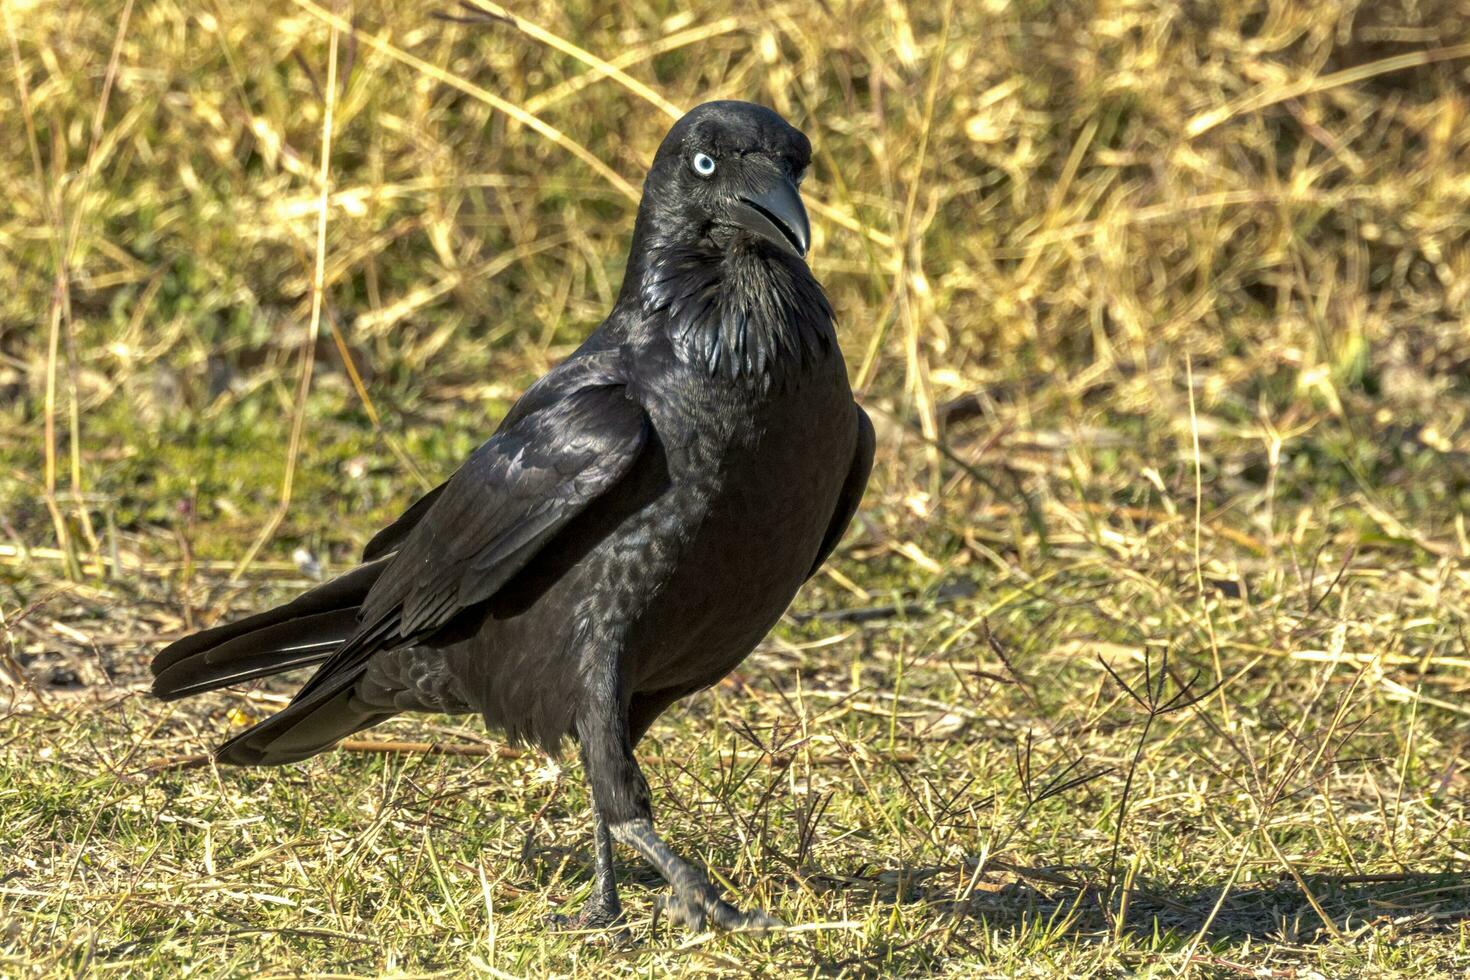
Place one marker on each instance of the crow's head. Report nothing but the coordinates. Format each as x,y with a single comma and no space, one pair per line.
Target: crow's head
728,170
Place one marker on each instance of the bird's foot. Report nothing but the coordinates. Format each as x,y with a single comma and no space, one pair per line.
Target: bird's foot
694,902
601,919
701,907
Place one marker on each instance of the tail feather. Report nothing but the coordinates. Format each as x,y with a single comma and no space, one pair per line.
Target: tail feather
301,632
305,727
271,649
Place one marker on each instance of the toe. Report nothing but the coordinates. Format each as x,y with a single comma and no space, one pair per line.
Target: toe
682,910
758,919
597,920
731,919
704,907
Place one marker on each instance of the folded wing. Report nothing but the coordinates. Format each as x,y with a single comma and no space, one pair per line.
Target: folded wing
469,538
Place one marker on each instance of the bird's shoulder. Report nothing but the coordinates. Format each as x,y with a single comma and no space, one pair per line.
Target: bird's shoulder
582,403
598,363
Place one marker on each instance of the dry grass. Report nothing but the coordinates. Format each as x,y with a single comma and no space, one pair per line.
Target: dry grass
1161,312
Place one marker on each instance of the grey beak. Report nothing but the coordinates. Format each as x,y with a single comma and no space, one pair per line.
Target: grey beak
777,215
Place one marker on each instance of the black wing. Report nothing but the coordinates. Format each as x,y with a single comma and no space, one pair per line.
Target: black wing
490,519
852,489
391,538
590,367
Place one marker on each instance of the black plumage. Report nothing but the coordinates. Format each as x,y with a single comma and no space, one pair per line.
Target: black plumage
638,522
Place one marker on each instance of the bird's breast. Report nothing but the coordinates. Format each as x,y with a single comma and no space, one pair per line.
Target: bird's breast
753,486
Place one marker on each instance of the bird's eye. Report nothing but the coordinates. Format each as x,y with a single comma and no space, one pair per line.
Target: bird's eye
703,164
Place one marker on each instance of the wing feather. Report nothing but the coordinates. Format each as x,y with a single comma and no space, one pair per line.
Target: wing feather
852,489
493,516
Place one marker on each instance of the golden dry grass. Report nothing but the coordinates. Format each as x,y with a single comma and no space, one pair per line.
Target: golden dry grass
1160,309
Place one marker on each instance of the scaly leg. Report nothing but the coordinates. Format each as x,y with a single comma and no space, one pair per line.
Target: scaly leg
602,909
620,795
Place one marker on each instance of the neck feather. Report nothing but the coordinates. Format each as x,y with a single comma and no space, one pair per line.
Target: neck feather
741,312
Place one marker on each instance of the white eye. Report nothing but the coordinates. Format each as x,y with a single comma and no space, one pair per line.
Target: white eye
703,164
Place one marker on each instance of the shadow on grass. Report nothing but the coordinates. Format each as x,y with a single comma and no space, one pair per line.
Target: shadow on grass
1329,907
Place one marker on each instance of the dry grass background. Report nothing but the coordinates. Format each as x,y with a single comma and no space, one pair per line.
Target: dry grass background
1160,309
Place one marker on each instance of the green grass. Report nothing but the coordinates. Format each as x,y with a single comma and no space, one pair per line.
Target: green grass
1161,320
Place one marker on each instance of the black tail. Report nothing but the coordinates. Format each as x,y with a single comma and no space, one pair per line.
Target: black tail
304,727
304,631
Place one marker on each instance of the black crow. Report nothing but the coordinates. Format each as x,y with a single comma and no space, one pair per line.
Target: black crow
638,522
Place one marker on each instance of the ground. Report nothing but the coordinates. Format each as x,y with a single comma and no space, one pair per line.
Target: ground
1147,653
